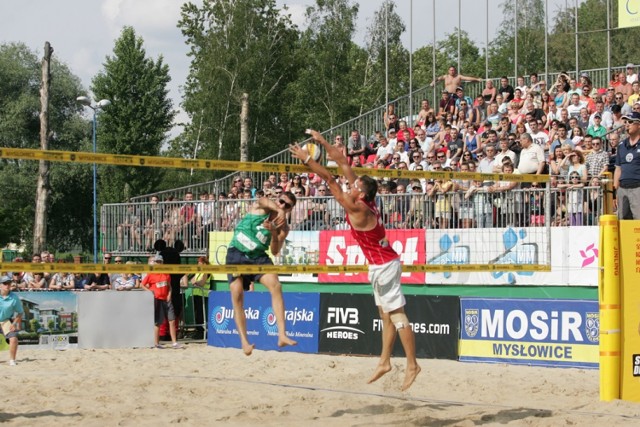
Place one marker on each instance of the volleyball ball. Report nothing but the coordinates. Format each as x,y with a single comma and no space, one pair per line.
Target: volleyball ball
313,150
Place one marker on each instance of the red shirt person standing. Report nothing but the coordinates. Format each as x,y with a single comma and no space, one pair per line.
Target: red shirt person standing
160,285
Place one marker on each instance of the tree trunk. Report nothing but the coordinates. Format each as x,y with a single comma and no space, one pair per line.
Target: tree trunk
43,189
244,128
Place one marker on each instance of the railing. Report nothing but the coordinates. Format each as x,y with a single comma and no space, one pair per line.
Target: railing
131,229
367,124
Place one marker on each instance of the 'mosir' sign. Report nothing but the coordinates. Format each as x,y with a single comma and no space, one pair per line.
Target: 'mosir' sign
531,332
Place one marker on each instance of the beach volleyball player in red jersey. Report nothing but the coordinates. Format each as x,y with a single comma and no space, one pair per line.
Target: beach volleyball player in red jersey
385,269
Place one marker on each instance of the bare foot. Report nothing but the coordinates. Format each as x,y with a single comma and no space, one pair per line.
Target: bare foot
380,371
285,341
248,349
410,376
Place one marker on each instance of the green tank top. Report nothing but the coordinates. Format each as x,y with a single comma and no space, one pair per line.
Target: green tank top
250,237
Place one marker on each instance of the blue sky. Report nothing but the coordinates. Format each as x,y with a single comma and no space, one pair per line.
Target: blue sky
82,32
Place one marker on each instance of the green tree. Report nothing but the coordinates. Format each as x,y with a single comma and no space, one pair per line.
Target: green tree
69,212
236,47
624,49
138,119
592,38
383,36
423,66
529,24
326,92
471,60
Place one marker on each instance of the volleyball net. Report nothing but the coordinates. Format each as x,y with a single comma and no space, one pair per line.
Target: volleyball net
486,222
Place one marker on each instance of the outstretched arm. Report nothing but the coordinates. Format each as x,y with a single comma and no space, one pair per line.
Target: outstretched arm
317,168
470,79
438,79
336,155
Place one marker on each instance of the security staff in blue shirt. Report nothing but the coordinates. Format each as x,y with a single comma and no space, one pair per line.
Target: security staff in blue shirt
626,177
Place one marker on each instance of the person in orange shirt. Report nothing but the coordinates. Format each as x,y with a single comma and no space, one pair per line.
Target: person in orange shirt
160,285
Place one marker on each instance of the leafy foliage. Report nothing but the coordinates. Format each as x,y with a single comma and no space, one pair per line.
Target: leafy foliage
137,120
384,48
295,79
325,92
68,213
237,47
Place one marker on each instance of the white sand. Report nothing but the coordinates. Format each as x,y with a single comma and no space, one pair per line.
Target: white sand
202,385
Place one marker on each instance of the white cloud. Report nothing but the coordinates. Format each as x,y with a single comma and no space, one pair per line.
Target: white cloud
85,62
146,16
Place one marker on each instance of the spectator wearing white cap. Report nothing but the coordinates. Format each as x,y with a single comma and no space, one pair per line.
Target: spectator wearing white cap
11,313
631,76
392,137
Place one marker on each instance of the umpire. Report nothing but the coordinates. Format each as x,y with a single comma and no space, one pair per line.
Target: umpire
626,177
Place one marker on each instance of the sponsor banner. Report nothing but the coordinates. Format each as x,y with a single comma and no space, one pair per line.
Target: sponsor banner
340,248
630,278
218,245
628,13
301,315
346,324
436,323
563,333
574,255
47,317
301,248
350,324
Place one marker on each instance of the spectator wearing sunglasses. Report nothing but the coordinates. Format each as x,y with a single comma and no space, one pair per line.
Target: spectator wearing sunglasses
625,108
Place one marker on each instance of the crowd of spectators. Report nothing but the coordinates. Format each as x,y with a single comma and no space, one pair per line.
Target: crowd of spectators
34,281
569,131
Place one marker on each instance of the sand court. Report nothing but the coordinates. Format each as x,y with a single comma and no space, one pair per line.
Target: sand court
202,385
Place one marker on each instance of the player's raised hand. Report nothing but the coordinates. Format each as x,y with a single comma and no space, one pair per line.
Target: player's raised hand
297,152
334,152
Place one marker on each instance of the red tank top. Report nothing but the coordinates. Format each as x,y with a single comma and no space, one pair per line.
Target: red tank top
374,243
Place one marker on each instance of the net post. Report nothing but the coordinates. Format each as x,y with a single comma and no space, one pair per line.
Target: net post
609,299
607,193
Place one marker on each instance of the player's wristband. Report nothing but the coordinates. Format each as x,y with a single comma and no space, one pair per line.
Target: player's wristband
306,161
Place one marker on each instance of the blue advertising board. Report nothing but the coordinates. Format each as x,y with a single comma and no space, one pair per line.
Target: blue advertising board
562,333
301,315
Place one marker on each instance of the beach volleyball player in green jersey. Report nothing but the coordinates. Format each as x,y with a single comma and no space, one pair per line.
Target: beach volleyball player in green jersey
263,227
